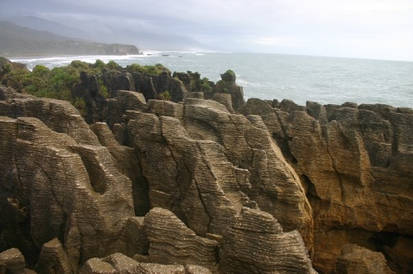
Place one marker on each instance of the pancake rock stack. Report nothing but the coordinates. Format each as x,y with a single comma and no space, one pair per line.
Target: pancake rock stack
205,183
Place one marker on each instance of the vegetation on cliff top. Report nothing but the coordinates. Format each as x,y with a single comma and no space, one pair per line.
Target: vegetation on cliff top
59,82
87,85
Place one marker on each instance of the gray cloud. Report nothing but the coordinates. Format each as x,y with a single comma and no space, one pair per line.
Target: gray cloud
354,28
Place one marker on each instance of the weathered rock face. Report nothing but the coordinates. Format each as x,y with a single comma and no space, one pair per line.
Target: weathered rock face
228,85
118,80
356,164
63,181
194,187
60,116
119,263
89,91
53,259
224,159
153,85
170,241
53,185
12,261
255,243
356,259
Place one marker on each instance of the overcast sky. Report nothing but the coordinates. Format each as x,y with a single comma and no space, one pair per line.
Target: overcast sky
381,29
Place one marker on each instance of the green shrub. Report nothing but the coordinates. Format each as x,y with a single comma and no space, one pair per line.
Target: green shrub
228,76
113,65
99,65
80,65
164,95
80,104
205,86
41,71
102,88
149,70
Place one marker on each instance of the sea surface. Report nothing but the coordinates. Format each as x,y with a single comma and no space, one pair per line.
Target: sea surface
325,80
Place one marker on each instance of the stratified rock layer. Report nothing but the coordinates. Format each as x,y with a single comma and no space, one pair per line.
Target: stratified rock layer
60,186
356,165
77,184
356,259
194,187
208,163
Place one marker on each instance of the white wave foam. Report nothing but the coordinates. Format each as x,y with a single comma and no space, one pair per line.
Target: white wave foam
84,58
244,83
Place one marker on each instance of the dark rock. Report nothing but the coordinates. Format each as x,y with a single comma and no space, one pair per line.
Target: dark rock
89,91
135,237
228,85
349,104
118,80
145,84
317,111
53,259
290,106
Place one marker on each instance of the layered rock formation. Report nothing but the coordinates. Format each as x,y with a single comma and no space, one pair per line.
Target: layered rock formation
356,165
355,259
63,181
205,184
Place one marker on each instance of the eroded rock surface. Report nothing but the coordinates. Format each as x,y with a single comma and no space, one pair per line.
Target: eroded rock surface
12,261
224,160
170,241
119,263
87,188
355,163
356,259
195,187
60,186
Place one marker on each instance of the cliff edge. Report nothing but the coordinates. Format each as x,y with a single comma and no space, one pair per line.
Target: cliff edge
201,183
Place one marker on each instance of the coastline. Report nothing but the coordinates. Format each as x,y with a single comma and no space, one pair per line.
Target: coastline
297,78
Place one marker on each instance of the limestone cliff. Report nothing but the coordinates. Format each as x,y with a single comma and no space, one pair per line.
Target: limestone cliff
204,184
356,165
70,191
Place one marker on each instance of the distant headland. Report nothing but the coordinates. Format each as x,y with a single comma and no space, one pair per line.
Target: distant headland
22,41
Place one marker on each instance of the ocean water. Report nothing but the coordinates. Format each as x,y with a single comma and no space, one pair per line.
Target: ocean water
271,76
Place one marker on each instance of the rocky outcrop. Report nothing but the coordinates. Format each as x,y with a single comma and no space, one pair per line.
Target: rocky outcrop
204,184
154,85
255,243
119,263
227,85
356,259
53,259
210,149
116,80
170,241
12,261
87,188
60,116
353,161
58,185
